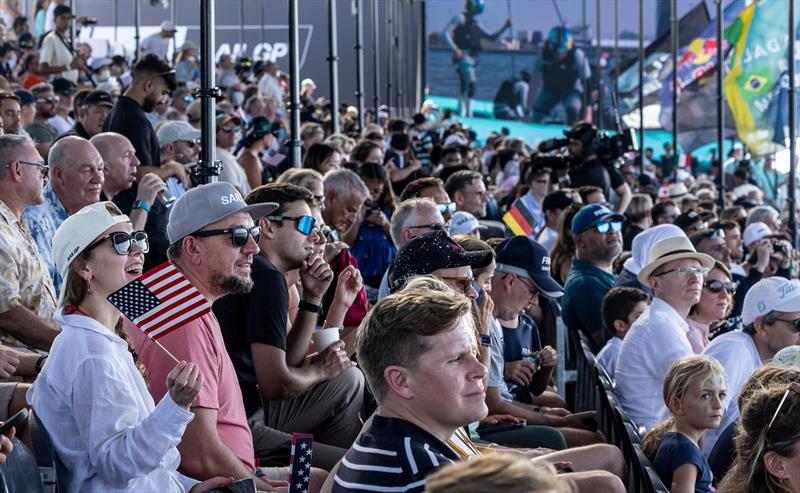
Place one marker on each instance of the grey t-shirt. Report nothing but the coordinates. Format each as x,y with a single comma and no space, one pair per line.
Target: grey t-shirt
497,362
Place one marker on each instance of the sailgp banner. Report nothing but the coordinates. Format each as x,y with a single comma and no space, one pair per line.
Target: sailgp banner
758,80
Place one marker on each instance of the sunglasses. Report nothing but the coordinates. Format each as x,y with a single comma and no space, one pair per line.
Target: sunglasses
51,99
714,233
304,224
239,234
123,242
43,168
191,144
796,323
449,207
323,233
228,128
464,282
606,226
794,387
716,286
432,226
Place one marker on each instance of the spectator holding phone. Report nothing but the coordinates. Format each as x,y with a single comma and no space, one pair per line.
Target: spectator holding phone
91,397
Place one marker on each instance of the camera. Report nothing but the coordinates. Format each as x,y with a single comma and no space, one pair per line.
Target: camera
552,144
613,147
555,163
90,21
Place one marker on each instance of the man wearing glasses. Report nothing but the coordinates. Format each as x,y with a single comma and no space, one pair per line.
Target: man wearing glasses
27,295
323,396
42,133
771,319
468,191
598,241
675,272
180,148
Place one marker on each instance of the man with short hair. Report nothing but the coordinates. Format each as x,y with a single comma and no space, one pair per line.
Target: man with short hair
468,191
213,239
432,188
598,241
42,133
76,180
57,53
120,166
345,194
10,112
27,295
664,213
27,103
771,319
765,214
657,339
712,242
65,92
322,396
91,114
553,206
418,352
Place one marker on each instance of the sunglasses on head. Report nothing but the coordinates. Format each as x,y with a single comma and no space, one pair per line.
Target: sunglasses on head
716,286
123,242
449,207
605,226
238,234
463,282
304,224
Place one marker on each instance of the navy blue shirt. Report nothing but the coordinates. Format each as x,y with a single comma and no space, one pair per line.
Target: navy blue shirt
516,341
392,455
676,450
582,303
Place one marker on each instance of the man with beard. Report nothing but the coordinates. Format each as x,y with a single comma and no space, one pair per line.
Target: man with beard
10,112
212,242
41,132
598,241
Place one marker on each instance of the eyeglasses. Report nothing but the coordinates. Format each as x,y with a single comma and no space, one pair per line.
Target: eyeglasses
445,208
796,323
43,168
123,242
238,235
464,282
684,271
432,226
716,286
305,224
794,387
482,194
532,291
228,128
605,226
714,233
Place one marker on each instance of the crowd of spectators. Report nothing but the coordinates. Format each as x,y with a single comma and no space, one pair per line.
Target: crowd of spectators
395,237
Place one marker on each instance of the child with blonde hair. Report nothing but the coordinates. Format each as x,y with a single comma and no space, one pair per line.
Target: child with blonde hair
694,392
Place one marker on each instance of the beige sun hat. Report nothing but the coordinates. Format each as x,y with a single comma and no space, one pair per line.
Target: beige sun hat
669,249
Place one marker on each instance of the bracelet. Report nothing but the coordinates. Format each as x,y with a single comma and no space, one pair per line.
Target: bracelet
141,204
309,307
486,341
39,363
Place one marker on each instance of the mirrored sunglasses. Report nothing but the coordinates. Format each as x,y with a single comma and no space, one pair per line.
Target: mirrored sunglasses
304,224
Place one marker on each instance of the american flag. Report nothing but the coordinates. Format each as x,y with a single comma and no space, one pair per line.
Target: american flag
300,462
160,300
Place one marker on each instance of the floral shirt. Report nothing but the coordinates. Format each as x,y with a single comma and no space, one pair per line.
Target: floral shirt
24,279
43,221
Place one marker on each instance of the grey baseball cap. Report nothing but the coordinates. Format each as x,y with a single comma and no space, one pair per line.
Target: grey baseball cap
208,204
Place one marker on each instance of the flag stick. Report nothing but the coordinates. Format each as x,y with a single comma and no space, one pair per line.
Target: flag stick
166,351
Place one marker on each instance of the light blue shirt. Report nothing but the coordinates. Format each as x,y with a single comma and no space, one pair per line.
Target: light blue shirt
43,221
609,354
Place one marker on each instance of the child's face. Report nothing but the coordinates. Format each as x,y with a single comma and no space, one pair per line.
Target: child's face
703,404
625,326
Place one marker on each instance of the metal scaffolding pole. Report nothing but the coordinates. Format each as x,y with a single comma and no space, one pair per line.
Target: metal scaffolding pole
173,17
241,30
720,106
294,84
333,65
360,63
375,57
207,168
674,22
598,54
616,49
389,41
421,58
641,84
792,183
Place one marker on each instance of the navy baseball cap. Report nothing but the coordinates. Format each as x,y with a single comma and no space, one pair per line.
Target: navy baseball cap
25,97
64,86
524,257
592,215
430,252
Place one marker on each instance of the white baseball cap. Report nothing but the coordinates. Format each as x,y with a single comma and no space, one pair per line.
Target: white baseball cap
174,131
754,232
771,294
168,26
80,230
308,82
464,223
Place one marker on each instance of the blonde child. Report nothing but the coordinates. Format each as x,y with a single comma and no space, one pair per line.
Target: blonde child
694,391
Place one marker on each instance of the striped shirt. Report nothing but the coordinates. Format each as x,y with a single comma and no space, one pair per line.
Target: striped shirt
393,455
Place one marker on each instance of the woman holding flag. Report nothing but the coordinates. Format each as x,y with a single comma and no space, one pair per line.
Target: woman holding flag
90,396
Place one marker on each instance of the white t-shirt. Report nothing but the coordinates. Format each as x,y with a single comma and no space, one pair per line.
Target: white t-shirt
232,172
609,354
155,43
55,53
737,353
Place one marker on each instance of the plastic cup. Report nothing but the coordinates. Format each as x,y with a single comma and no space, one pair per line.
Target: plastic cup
323,338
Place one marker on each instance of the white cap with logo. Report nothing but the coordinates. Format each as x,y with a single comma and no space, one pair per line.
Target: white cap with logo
754,232
464,223
174,131
776,294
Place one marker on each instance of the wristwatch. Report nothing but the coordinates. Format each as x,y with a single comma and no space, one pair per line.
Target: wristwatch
309,307
486,341
39,364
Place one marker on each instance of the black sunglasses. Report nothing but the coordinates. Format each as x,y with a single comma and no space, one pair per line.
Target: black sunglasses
796,323
123,242
432,226
464,282
716,286
238,235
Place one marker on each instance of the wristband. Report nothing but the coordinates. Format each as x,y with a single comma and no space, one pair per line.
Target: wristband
39,363
308,307
141,204
486,341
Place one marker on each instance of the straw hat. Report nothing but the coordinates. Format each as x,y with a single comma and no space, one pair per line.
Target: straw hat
669,249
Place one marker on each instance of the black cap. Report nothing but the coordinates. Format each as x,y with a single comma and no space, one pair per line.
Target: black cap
430,252
64,86
687,220
25,97
61,10
579,130
98,98
560,199
524,257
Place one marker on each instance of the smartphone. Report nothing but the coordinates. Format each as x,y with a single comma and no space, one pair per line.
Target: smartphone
14,421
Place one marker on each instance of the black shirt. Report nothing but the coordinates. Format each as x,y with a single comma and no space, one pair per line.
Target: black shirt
391,455
594,173
76,130
255,317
